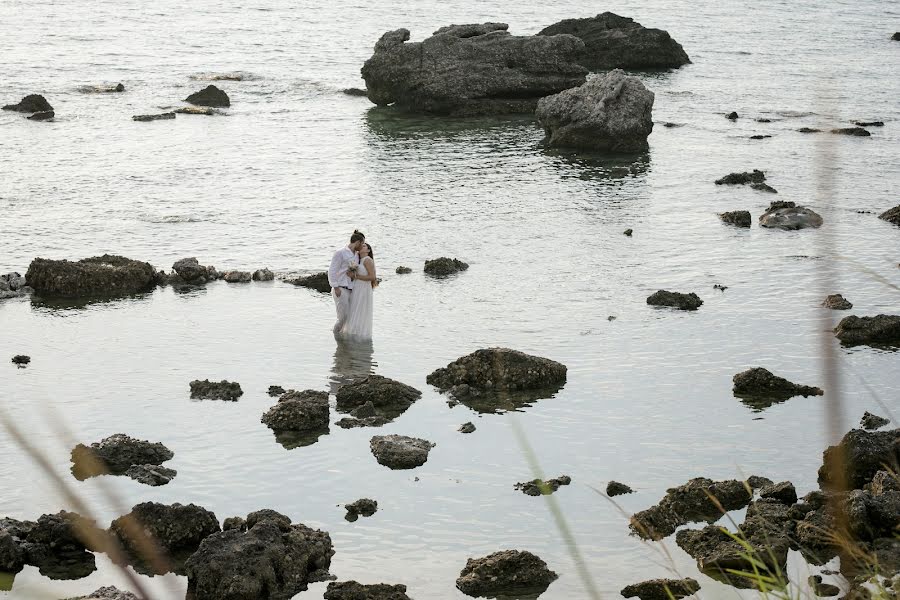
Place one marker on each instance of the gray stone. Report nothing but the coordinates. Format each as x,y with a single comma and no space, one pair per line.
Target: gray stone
837,302
263,275
858,457
506,572
675,300
115,455
108,593
153,475
853,131
160,117
783,492
351,590
537,487
105,275
400,451
881,329
209,96
756,176
740,218
871,422
760,384
499,369
789,217
299,411
46,115
466,428
614,488
191,271
212,390
238,276
891,215
31,103
403,270
318,282
13,281
662,589
443,267
364,506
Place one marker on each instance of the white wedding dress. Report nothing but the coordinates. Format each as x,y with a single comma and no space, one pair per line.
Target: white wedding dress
359,323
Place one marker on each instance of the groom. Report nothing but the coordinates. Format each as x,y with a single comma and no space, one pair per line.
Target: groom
341,279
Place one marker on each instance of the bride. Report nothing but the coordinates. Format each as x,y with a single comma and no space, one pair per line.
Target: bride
359,323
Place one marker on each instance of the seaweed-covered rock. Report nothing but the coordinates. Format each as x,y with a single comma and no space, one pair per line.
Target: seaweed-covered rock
317,281
760,388
388,398
858,457
790,217
273,559
892,215
614,488
400,451
465,70
105,275
689,503
614,42
739,218
191,271
108,592
756,176
506,572
443,267
537,487
212,390
853,131
499,369
299,411
351,590
115,455
609,113
871,422
160,117
32,103
153,475
275,390
881,329
158,538
837,302
662,589
209,96
675,300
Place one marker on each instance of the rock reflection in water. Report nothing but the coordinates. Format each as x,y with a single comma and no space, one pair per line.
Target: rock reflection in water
595,166
298,439
353,358
505,401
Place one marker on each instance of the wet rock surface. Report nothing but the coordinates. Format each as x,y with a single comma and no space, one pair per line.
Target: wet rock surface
783,492
878,330
105,275
238,276
272,559
444,267
614,42
400,451
209,96
191,271
403,270
763,187
614,488
158,538
263,275
32,103
58,545
499,369
466,428
662,589
756,176
275,390
466,70
116,455
299,411
351,590
690,503
107,593
739,218
854,131
859,456
21,361
46,115
117,88
837,302
608,113
375,400
891,215
216,390
198,110
759,388
159,117
538,487
677,300
505,572
317,281
365,507
788,216
871,422
153,475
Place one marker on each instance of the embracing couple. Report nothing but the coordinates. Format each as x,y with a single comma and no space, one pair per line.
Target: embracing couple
352,278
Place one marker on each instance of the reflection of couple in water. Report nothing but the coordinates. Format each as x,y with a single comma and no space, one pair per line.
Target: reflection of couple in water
352,360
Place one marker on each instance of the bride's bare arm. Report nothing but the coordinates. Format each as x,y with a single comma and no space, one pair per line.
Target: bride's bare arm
370,267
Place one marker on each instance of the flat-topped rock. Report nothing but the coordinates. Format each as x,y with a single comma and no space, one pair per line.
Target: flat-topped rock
877,330
299,411
738,218
853,131
103,88
153,475
32,103
209,96
499,369
216,390
443,267
106,275
760,382
677,300
400,451
376,396
351,590
238,276
107,593
509,572
662,589
779,216
115,455
858,457
158,117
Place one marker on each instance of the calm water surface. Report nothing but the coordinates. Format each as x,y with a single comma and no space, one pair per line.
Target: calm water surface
296,166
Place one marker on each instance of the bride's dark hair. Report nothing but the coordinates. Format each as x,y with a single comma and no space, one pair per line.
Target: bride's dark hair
371,252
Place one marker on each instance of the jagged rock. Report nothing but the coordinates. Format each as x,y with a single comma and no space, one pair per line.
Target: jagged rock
614,42
689,503
318,282
389,398
158,538
763,187
211,390
352,423
59,545
788,216
471,70
209,96
153,475
783,492
12,281
400,451
275,390
662,589
105,275
822,589
364,410
191,271
108,593
506,572
757,482
238,276
675,299
263,275
896,36
299,411
756,176
732,116
614,488
116,455
884,481
537,487
759,388
892,215
21,361
871,516
442,267
854,131
12,553
881,329
609,113
740,218
32,103
870,421
102,89
198,110
837,302
351,590
42,116
159,117
466,428
403,270
859,456
238,523
272,560
628,232
364,506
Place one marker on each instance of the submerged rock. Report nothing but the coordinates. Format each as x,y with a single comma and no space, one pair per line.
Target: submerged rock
785,215
299,411
662,589
809,130
153,475
881,329
509,572
376,398
318,282
364,506
263,275
854,131
21,361
351,590
108,593
537,487
675,300
891,215
443,267
499,369
159,117
105,275
869,123
42,116
209,96
102,89
116,455
211,390
858,457
32,103
197,110
871,422
691,502
763,187
760,386
732,116
400,451
465,70
272,559
238,276
614,488
354,91
740,218
837,302
12,281
614,42
609,113
403,270
756,176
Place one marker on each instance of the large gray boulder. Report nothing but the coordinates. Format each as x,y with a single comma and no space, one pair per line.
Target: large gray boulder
375,400
877,330
400,451
299,411
471,70
614,42
789,216
512,572
267,558
858,457
105,275
611,112
32,103
496,369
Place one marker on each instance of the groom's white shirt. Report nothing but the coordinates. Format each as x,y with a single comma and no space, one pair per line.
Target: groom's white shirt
337,272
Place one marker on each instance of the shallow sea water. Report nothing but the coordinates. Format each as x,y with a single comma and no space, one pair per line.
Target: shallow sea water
296,166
